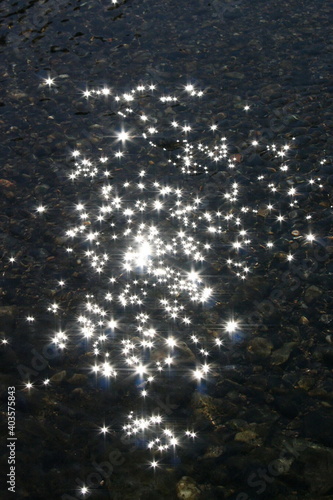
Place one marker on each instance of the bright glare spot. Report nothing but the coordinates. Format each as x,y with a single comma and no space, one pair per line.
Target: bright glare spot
231,326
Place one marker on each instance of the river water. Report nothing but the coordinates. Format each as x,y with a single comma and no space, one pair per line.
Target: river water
166,243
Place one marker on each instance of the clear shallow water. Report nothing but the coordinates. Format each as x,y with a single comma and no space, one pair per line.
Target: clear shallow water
238,364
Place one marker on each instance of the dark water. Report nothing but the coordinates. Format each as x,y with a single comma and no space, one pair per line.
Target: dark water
166,311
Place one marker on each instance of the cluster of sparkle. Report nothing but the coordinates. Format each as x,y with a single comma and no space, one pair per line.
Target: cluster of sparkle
148,243
159,442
